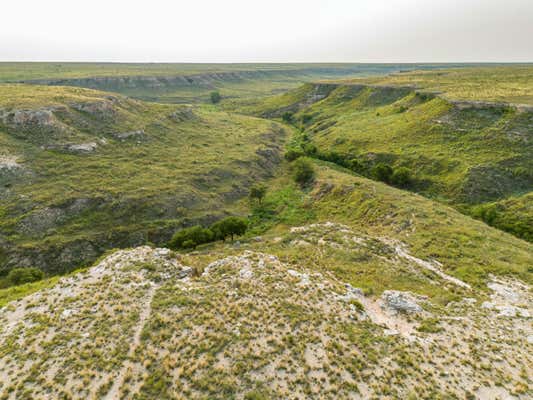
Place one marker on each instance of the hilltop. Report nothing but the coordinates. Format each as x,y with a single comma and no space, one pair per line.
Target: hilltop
500,84
388,304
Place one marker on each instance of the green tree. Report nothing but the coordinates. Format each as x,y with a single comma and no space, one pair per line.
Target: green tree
229,226
257,192
401,177
302,171
190,237
18,276
382,172
215,97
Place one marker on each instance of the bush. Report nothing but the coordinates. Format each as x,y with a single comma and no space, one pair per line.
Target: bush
310,149
306,118
257,192
215,97
229,226
18,276
293,154
303,171
287,117
382,172
355,165
401,177
189,238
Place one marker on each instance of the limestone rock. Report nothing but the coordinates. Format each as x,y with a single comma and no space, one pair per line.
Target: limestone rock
398,301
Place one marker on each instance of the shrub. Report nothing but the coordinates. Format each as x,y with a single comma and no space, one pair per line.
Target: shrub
287,116
229,226
293,154
401,177
355,165
257,192
303,171
215,97
306,118
189,238
310,149
382,172
18,276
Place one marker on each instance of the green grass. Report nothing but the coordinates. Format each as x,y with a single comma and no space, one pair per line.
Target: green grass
461,156
466,248
502,84
189,165
17,292
22,96
16,71
242,83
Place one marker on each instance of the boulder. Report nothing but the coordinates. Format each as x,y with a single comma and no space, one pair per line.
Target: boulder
398,301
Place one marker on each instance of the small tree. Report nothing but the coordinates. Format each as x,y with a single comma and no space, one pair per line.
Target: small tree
190,238
401,177
18,276
229,226
303,171
382,172
257,192
215,97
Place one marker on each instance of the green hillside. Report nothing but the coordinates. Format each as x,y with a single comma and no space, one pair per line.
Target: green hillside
83,171
509,84
306,304
462,153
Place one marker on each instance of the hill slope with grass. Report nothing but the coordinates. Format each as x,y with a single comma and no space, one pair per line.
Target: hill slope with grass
83,171
353,290
467,154
501,84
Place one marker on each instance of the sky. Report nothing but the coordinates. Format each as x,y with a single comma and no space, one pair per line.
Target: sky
267,30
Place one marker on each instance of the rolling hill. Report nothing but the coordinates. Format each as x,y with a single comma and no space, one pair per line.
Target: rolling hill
404,298
399,268
469,154
83,171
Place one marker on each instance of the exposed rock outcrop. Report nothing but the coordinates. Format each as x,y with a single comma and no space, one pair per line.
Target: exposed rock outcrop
397,301
129,135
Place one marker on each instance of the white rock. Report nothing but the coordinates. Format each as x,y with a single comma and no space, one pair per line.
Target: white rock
400,301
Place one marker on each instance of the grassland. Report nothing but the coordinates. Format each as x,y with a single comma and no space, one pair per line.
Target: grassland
464,154
22,71
297,308
509,84
186,83
274,317
90,171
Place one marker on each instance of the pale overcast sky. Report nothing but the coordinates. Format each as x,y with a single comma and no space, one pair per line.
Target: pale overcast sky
267,31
